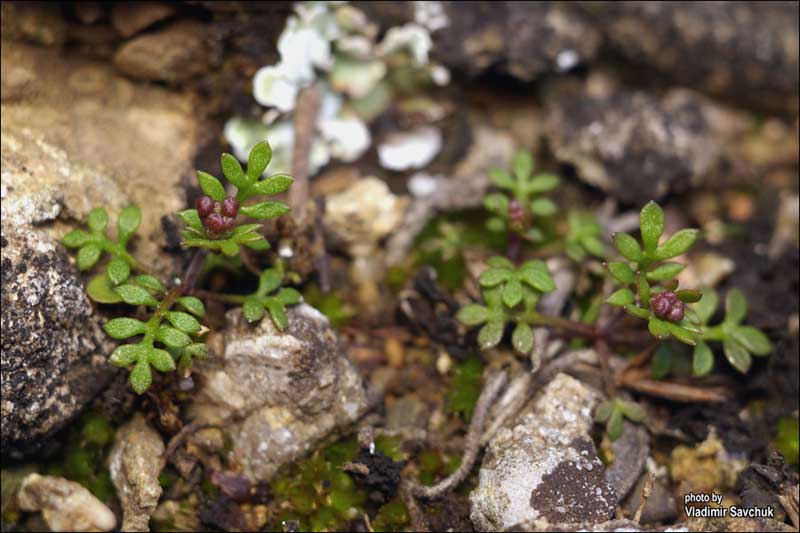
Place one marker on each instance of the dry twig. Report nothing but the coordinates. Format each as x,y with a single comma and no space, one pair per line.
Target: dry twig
646,491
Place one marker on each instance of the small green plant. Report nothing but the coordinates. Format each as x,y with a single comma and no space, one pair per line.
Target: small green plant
516,207
511,295
739,342
654,297
172,338
583,236
611,412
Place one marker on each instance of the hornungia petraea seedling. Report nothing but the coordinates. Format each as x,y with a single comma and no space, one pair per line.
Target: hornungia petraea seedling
647,289
173,334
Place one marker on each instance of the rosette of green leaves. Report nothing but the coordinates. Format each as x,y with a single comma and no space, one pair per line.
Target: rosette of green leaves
611,412
583,236
648,272
160,343
93,243
522,186
510,295
272,298
248,185
739,342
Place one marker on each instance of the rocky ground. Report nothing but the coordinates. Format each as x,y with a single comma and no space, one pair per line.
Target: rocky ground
374,383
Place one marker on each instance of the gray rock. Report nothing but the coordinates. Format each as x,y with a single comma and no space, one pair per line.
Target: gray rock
278,393
747,51
542,467
172,55
65,505
632,145
134,465
630,451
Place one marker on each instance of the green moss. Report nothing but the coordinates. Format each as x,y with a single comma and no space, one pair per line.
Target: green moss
465,387
332,305
787,439
391,516
392,447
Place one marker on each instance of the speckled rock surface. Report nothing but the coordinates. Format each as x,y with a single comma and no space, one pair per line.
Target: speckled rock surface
542,467
632,145
282,391
134,465
74,135
65,505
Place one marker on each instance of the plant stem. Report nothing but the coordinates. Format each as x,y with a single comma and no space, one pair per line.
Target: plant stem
584,330
305,119
219,297
713,333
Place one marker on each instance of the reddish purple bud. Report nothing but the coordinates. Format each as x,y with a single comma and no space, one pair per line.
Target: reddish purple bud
230,207
228,223
204,206
214,223
515,211
667,306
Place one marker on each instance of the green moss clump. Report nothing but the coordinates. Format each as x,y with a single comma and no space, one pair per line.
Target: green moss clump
332,305
787,440
391,516
465,387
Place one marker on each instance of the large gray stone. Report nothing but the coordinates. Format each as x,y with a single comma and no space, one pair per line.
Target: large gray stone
278,394
542,467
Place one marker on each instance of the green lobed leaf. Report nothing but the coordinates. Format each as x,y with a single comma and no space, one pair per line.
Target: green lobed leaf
689,296
192,219
661,363
543,207
265,210
627,246
268,281
233,171
522,164
632,411
196,349
211,186
128,222
614,425
98,220
643,290
707,305
259,158
122,328
273,185
512,292
658,328
126,354
161,360
278,316
496,203
522,338
536,274
735,306
665,271
496,225
101,290
172,337
542,183
593,245
141,377
498,261
603,411
288,296
135,295
502,179
150,283
682,334
183,321
621,297
621,272
252,309
651,224
702,360
76,238
193,305
259,244
753,339
637,311
678,244
494,276
88,255
490,334
737,354
229,247
472,315
118,270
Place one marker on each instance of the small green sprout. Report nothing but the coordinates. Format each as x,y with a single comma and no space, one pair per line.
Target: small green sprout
91,245
175,337
654,297
612,412
212,224
448,242
739,343
514,209
266,298
511,295
583,236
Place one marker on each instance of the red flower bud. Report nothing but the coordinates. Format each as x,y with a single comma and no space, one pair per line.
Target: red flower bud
228,222
204,206
214,224
515,211
230,207
667,306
